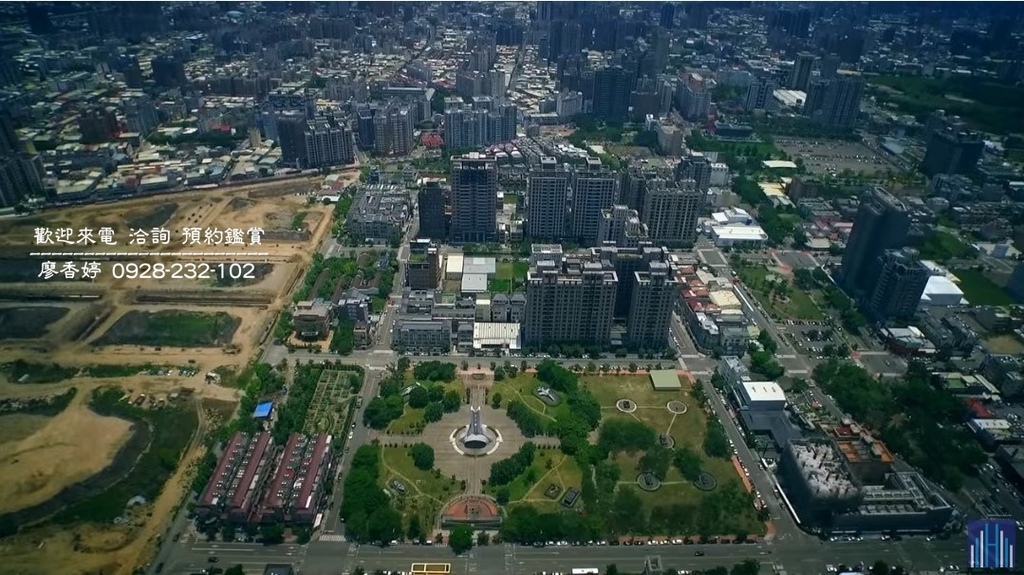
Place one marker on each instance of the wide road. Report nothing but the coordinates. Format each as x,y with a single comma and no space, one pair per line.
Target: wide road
803,558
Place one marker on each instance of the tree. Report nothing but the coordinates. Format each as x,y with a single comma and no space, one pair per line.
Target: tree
419,397
451,401
687,461
415,530
227,533
384,525
433,412
612,569
496,401
483,539
460,539
235,570
422,456
656,461
716,442
880,568
272,534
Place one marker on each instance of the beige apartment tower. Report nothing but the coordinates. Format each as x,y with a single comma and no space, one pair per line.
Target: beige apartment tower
570,301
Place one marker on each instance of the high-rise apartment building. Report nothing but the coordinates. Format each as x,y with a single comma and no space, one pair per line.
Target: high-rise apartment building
20,176
835,103
569,301
671,210
594,190
480,126
901,282
800,76
474,199
759,94
881,224
401,131
626,261
328,143
697,167
621,226
98,125
423,270
432,218
547,201
655,291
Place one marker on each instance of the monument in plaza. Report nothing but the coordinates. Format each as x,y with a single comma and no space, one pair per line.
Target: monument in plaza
475,436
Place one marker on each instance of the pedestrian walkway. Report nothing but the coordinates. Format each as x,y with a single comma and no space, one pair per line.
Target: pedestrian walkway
333,538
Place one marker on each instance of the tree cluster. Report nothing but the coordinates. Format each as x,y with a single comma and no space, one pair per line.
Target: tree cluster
557,377
505,471
626,435
434,371
366,509
526,419
716,442
422,456
687,461
919,422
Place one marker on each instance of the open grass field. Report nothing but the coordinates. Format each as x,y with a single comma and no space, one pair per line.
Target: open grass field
979,290
521,388
411,420
171,328
1007,344
795,304
508,276
426,491
686,429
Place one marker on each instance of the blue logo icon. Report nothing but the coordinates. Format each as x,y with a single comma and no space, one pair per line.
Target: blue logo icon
992,544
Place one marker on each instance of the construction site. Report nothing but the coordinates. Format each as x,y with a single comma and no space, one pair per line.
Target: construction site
59,333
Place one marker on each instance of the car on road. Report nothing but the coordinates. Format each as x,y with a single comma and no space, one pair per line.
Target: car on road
213,560
698,553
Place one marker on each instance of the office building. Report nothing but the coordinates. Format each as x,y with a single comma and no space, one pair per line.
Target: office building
882,223
671,210
311,320
952,151
800,76
291,130
547,201
655,291
835,103
432,217
423,271
422,334
569,301
474,199
238,479
328,143
612,87
594,189
901,282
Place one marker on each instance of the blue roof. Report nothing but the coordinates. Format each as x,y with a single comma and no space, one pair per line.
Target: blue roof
263,410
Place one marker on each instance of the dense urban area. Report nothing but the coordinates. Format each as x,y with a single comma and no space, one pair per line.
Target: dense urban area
521,288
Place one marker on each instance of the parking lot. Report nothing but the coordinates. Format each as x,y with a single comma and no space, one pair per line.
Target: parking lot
831,157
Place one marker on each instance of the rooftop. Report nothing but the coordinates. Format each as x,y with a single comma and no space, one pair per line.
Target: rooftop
665,379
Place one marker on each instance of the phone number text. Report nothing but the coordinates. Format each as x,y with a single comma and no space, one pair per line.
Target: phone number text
153,271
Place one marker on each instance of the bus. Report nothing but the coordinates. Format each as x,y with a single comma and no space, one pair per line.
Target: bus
586,571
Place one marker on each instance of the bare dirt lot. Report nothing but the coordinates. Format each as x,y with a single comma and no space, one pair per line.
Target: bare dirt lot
66,449
46,454
823,157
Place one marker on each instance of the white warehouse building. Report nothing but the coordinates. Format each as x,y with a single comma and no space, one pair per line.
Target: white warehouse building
738,235
762,395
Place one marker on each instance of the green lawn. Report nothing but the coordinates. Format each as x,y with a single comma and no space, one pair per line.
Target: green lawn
508,276
943,246
979,290
411,419
796,304
426,492
686,429
550,466
521,387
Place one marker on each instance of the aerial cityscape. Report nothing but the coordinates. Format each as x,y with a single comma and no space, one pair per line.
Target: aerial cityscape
511,288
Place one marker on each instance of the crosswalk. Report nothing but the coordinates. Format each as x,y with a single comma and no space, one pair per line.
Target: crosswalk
333,538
